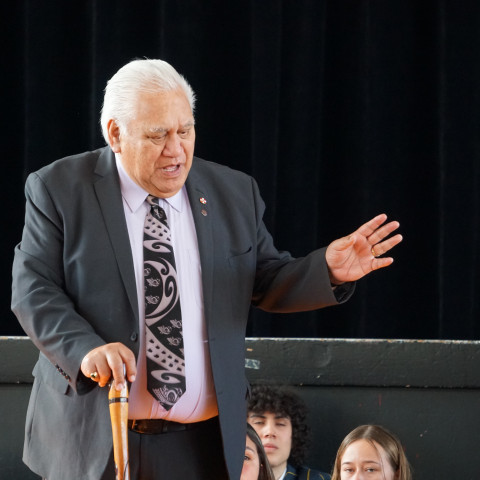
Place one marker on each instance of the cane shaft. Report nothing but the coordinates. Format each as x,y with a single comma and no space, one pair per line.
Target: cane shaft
118,403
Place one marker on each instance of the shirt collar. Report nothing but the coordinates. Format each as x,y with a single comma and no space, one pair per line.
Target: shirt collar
135,195
284,473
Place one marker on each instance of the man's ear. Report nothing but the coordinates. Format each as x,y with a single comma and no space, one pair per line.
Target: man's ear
114,135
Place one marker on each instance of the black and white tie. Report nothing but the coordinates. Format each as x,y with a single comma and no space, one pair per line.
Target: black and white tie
163,316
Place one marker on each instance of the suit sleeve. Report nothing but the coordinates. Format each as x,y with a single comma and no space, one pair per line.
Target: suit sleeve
39,297
286,284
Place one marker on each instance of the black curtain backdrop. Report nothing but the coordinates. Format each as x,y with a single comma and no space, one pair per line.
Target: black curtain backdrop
340,109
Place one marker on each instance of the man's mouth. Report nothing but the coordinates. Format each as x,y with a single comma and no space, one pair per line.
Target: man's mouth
269,446
172,168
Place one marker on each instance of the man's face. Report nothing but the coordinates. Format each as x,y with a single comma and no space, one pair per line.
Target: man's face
275,432
156,149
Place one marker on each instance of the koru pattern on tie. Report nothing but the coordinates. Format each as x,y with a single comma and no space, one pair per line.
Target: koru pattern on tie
163,316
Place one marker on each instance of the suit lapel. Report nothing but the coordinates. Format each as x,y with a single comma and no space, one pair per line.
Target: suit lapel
107,189
198,196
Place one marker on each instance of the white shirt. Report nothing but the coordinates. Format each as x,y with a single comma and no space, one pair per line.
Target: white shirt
199,401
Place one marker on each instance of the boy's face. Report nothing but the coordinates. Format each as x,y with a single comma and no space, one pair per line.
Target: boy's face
275,432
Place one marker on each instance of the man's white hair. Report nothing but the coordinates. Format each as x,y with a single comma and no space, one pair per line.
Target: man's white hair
122,89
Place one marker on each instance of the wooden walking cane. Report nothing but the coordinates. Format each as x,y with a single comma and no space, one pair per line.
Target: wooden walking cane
118,404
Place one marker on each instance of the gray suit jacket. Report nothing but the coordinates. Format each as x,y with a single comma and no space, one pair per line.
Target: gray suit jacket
74,290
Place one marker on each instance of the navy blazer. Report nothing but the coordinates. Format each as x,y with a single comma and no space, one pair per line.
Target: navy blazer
74,290
305,473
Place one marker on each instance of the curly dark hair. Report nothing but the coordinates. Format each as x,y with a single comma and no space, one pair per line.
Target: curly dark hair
283,401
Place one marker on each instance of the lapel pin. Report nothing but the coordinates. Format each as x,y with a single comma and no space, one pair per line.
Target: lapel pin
203,200
204,212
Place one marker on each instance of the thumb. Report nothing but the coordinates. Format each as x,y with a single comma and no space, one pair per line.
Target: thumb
345,242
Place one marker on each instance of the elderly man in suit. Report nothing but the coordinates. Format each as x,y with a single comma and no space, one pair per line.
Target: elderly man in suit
141,258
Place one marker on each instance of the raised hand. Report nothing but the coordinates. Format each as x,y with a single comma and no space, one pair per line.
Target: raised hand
354,256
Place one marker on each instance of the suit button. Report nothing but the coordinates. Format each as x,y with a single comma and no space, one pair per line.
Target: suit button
134,336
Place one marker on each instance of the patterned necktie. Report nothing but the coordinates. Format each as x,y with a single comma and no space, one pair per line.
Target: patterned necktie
163,317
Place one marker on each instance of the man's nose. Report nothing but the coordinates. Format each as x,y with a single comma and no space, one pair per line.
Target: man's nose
269,430
173,147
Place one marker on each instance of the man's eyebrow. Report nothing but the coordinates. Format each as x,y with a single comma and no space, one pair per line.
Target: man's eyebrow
189,124
257,415
157,130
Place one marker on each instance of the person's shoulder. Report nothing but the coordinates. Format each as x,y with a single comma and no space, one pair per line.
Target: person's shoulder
306,473
201,167
220,180
73,168
74,161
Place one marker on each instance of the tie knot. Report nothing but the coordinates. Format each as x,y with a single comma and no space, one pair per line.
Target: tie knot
152,200
157,210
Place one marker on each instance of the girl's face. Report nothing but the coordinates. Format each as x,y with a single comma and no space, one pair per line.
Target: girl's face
367,460
251,462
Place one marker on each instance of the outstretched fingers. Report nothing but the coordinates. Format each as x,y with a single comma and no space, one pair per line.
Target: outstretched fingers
378,263
376,231
370,227
382,247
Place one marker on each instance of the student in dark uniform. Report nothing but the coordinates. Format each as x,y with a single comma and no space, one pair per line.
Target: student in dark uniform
279,417
255,463
373,451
